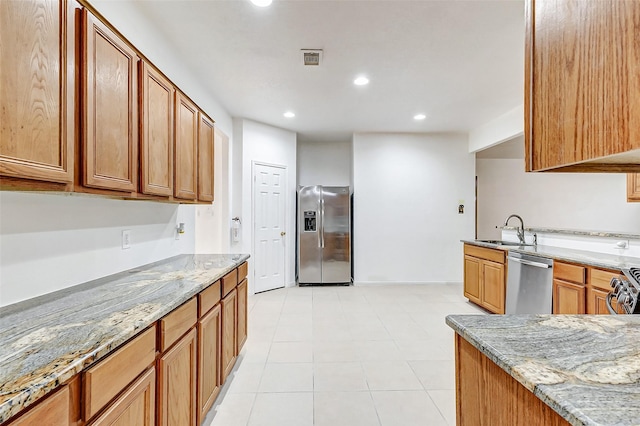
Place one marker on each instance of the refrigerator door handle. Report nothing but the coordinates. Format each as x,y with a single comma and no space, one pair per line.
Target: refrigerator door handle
322,223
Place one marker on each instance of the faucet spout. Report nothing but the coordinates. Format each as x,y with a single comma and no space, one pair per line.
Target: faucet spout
520,230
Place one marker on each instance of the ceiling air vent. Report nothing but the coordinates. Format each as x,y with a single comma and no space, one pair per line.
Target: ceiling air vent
312,57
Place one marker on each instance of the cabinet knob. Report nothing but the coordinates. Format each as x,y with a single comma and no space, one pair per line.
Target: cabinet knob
282,234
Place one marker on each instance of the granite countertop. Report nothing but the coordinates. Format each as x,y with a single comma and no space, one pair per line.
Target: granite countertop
585,367
47,340
599,260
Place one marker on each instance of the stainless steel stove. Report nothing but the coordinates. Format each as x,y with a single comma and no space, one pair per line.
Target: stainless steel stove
626,290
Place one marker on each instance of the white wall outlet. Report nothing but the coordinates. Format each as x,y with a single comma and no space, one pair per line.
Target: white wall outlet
126,239
622,244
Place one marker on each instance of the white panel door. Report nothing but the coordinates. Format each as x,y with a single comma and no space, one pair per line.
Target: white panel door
269,198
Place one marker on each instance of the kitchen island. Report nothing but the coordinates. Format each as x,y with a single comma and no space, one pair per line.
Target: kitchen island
547,369
48,340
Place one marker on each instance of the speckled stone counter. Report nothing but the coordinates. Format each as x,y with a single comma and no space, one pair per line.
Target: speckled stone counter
47,340
604,234
585,367
598,260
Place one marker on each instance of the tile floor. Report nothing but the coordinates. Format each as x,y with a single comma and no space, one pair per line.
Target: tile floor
375,355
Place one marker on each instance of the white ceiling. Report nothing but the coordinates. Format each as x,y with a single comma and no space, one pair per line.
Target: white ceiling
459,62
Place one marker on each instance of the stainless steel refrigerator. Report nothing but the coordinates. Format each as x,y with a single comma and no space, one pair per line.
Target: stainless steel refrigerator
324,235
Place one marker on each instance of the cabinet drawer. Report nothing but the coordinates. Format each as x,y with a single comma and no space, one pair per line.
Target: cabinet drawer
243,271
53,411
177,323
108,378
136,405
494,255
208,298
601,278
229,282
568,272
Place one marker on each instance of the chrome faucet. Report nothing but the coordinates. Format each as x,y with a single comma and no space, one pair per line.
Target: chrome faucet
520,230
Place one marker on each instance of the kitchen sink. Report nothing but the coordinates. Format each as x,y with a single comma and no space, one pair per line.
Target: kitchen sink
503,243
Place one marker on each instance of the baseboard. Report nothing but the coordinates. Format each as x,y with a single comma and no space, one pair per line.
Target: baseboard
381,283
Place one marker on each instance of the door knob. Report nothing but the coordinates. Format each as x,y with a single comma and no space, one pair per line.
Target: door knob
282,234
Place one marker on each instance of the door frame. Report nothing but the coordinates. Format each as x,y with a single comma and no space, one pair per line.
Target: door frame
255,163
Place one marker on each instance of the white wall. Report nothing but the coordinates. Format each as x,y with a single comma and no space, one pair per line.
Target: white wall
324,163
595,201
53,241
406,193
270,145
502,128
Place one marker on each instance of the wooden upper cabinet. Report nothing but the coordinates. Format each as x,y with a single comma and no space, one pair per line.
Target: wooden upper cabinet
110,113
37,89
186,148
582,91
633,187
157,96
205,158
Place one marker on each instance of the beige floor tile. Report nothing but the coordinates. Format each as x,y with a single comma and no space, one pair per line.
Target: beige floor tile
390,375
378,350
291,352
407,408
293,333
328,351
445,400
342,376
246,378
344,409
436,375
282,409
255,350
369,332
234,412
287,377
330,332
424,350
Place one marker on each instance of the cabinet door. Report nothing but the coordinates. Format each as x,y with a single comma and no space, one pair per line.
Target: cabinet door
177,405
596,302
229,336
493,286
52,411
209,347
110,113
633,187
568,298
581,62
186,148
136,405
37,89
242,314
205,159
472,279
157,96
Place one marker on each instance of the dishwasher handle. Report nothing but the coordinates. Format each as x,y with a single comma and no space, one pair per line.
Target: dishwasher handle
530,263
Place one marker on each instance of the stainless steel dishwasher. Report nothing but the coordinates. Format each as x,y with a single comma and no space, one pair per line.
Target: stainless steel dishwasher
529,284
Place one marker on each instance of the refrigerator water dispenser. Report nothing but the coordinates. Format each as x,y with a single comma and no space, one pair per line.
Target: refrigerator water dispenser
309,221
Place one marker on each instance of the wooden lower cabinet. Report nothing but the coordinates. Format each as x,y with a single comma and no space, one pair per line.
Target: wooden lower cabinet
486,395
229,335
136,406
596,304
177,405
241,325
209,346
494,286
485,277
568,298
472,279
52,411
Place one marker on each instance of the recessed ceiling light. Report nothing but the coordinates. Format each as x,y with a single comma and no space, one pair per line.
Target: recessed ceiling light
289,114
361,81
419,117
261,3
